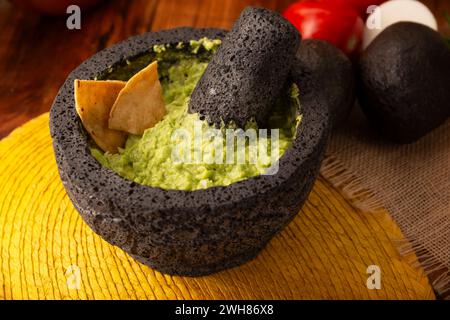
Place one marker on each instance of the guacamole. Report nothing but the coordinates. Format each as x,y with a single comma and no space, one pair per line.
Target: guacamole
149,160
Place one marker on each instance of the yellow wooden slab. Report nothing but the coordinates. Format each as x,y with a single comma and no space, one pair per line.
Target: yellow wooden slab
48,252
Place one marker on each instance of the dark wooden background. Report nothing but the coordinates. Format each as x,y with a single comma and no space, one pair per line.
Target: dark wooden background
38,52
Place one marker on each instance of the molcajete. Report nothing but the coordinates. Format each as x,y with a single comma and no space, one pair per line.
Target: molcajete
181,232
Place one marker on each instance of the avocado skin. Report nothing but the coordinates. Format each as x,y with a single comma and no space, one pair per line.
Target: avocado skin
190,233
404,82
318,61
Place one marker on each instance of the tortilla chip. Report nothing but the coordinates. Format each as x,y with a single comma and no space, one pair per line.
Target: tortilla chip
93,102
140,105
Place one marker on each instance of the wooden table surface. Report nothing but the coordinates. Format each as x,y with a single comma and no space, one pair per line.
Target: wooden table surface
38,52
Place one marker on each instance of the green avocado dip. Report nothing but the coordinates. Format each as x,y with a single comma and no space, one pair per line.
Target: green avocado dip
149,160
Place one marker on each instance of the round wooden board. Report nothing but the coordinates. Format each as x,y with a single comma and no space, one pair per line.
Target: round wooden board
48,252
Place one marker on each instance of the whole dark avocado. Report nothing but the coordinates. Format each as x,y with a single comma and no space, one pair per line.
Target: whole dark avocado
404,81
180,232
249,70
317,58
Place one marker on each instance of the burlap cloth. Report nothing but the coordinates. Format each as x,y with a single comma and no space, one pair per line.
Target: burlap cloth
410,181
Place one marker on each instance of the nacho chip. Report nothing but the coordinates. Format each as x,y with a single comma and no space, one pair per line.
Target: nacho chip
93,102
140,105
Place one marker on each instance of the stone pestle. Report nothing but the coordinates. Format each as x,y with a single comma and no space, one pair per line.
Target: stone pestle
248,71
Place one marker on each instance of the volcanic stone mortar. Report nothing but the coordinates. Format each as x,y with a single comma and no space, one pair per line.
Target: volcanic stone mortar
185,232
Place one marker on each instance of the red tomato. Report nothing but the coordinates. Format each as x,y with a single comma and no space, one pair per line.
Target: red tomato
53,7
359,5
341,26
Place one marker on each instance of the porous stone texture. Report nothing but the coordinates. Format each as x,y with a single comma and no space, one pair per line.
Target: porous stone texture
179,232
248,71
404,80
318,61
